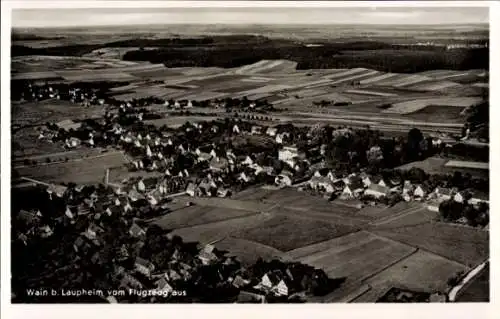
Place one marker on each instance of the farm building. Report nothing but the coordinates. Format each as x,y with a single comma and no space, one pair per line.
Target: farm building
377,191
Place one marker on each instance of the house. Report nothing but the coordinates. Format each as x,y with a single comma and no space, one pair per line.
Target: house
268,281
239,282
223,192
144,266
282,137
92,231
384,183
244,177
173,275
420,191
256,130
285,178
287,153
219,164
281,289
321,172
460,197
408,188
163,285
57,190
134,195
366,179
271,131
322,183
377,191
141,187
351,191
263,169
136,231
69,213
443,193
249,160
236,129
73,142
333,177
207,255
191,189
202,156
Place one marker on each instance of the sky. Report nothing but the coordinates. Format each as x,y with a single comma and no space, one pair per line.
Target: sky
39,18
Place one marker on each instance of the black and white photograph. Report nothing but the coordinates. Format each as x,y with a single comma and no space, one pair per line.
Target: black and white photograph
248,154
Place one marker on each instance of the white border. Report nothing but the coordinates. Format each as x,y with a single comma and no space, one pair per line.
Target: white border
455,311
241,4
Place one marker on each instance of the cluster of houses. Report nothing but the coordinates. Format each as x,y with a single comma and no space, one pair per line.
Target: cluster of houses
355,186
84,96
223,170
90,214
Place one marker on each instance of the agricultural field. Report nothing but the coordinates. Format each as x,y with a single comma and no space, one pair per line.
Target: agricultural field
287,233
467,246
198,215
436,165
415,105
177,121
422,271
267,66
53,110
355,256
219,230
88,170
228,203
438,113
253,193
410,217
247,251
25,143
432,86
59,156
381,213
371,93
467,164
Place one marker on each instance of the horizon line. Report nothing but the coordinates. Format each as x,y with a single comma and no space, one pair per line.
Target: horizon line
250,24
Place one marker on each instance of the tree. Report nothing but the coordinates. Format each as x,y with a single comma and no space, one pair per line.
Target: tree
415,138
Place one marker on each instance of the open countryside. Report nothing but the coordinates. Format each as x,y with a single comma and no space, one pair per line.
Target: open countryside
240,164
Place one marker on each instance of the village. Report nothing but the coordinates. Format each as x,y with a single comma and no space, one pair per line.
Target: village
106,230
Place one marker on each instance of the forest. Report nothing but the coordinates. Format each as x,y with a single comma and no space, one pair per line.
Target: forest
239,50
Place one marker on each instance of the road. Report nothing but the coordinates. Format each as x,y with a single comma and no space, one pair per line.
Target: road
74,159
470,276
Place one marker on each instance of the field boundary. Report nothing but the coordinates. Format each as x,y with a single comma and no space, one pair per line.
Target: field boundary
428,251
